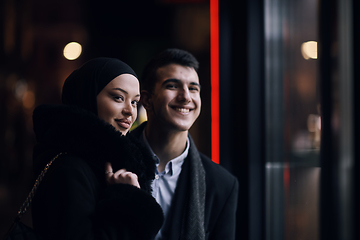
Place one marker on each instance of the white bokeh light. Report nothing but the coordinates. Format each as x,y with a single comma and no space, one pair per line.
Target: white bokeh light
72,50
309,50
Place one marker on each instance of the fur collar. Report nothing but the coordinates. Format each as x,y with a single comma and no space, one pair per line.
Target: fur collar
79,132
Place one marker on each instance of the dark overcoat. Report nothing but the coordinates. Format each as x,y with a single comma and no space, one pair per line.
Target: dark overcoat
216,210
74,201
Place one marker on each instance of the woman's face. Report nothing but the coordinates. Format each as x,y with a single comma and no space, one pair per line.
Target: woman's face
117,102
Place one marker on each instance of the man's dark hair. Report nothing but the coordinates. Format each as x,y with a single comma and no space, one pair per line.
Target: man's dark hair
168,56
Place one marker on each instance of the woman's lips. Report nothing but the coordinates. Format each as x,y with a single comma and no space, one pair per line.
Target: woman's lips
124,123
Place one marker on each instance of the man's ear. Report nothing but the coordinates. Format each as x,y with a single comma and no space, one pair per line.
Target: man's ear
146,100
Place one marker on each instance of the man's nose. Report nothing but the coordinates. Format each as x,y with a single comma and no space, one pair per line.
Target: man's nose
184,95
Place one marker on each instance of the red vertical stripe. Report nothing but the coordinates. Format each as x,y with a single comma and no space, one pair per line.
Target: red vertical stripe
214,64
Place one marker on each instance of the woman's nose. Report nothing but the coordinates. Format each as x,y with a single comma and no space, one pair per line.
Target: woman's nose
128,110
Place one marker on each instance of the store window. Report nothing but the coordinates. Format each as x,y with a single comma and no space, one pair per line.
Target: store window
293,122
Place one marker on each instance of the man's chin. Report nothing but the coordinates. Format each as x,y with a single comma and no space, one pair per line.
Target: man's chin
182,127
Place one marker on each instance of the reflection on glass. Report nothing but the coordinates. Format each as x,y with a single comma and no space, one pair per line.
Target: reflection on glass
309,50
293,126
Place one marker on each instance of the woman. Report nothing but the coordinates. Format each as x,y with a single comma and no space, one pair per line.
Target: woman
100,188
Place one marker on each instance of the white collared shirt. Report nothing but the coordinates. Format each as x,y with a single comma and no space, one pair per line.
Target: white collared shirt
164,184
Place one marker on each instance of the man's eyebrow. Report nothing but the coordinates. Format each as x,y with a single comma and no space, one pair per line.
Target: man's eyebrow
195,83
122,90
174,80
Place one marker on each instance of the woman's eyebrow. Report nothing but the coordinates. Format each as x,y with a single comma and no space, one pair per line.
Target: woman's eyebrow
122,90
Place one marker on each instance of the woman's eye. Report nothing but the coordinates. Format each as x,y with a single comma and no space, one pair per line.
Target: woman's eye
135,103
118,98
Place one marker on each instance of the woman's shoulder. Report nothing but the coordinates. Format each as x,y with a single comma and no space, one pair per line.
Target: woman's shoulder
68,164
69,171
72,161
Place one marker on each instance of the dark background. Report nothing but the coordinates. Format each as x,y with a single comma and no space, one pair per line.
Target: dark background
33,68
267,91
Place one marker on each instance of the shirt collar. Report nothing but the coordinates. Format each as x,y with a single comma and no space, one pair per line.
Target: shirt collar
175,164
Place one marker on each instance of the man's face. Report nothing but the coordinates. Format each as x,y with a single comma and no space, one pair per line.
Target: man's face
175,100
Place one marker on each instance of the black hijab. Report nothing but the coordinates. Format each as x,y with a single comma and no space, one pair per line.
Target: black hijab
84,84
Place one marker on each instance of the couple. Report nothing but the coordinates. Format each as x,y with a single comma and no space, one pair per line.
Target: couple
151,183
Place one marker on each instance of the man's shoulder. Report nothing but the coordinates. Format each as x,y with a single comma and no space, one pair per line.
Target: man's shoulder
214,170
219,181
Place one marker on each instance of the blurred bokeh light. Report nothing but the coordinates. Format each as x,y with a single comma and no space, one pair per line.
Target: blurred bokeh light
72,51
309,50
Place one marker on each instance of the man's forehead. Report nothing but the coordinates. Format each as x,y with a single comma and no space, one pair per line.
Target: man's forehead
176,72
178,81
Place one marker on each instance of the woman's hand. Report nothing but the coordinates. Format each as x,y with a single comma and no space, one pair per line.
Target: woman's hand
120,176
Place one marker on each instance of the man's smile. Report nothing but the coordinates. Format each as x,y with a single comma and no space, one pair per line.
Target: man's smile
182,110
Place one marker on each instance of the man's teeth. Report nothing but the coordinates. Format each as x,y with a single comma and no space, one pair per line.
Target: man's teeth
183,110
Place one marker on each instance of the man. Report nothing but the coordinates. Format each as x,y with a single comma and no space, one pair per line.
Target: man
198,196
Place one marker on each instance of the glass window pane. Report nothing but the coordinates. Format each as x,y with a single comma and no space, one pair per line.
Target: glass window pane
292,120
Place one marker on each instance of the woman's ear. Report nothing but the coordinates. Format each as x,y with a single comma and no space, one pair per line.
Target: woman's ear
146,100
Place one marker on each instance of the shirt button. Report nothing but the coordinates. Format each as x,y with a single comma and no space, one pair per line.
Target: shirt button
156,176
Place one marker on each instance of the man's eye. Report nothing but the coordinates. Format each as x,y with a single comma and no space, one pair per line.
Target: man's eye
171,86
195,89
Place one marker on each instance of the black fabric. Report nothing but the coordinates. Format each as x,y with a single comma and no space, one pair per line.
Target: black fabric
73,201
21,231
84,84
194,212
221,189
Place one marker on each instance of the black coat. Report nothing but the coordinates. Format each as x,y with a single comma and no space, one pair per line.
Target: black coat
221,194
74,201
